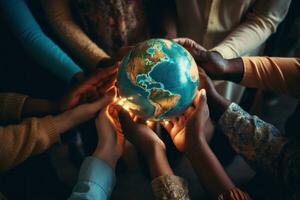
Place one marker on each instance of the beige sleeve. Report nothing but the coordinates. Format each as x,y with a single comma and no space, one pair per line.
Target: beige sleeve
170,187
278,74
261,21
19,142
11,105
72,36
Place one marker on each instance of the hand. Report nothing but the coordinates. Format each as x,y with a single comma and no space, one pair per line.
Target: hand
212,62
148,142
90,89
123,51
139,134
179,127
80,114
110,142
196,125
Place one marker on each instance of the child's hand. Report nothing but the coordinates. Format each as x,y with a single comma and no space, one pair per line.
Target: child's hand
110,142
139,134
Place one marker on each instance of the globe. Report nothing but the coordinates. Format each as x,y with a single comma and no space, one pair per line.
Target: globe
157,79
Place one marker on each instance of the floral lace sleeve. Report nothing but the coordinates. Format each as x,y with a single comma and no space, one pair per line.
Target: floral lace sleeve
170,187
262,146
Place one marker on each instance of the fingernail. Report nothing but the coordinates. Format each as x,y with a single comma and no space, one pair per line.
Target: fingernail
202,93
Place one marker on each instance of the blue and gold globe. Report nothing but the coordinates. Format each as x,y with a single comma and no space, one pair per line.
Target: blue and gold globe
158,79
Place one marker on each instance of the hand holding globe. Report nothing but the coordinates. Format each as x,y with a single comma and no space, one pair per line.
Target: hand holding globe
157,79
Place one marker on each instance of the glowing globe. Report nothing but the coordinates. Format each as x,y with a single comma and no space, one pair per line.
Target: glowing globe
158,79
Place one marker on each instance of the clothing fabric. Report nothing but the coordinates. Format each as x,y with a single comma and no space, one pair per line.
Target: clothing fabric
263,147
234,194
95,30
32,136
95,181
35,42
231,27
278,74
11,105
170,187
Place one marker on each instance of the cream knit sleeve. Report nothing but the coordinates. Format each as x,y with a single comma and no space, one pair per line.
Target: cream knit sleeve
11,105
71,35
31,137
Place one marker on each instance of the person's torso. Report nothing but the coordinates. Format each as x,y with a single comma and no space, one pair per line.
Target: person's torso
112,24
210,21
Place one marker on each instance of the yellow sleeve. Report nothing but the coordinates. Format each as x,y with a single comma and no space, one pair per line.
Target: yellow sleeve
72,36
11,105
31,137
278,74
260,22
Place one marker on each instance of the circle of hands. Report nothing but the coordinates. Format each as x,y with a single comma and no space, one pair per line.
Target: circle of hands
114,123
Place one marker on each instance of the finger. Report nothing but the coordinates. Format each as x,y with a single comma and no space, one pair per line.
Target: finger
202,99
102,74
101,103
168,125
186,42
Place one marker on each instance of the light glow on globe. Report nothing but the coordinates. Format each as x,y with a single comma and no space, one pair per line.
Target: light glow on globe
157,79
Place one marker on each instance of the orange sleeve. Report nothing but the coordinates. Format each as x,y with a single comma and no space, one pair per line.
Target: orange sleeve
234,194
31,137
272,73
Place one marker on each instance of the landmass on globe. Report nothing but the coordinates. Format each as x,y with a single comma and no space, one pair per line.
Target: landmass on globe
161,78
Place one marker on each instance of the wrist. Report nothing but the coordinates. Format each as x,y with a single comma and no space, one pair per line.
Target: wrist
106,62
192,151
234,71
107,155
78,78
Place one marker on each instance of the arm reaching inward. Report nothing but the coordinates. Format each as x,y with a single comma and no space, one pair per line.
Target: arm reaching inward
35,42
80,45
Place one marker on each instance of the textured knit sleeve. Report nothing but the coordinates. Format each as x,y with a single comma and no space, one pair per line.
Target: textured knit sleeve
79,44
31,137
234,194
11,106
260,22
35,42
170,187
263,147
278,74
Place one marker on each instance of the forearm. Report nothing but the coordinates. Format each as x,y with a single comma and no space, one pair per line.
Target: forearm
209,170
36,43
28,138
257,141
157,161
260,22
34,107
278,74
80,45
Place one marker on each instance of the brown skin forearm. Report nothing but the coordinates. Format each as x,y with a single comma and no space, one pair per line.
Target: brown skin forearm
235,70
209,170
157,161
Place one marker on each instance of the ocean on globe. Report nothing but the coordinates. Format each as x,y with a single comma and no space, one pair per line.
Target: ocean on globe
158,79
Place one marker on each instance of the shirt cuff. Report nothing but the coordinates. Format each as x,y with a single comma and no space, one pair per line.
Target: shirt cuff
99,172
226,51
11,106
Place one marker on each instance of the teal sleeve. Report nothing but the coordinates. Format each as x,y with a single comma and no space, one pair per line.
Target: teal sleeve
35,42
95,181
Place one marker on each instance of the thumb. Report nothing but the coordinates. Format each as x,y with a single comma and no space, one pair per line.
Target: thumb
125,119
202,100
104,101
